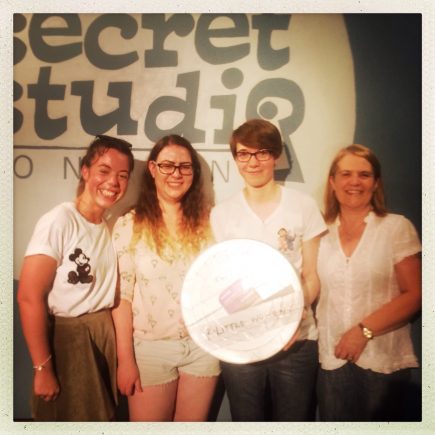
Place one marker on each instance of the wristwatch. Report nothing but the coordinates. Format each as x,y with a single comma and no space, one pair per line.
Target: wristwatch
368,333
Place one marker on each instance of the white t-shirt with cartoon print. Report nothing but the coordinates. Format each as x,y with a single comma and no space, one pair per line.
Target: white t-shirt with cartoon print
296,219
86,272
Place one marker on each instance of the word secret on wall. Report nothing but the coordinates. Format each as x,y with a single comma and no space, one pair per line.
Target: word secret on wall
155,42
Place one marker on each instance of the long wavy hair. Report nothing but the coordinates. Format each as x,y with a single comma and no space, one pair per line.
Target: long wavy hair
149,225
332,206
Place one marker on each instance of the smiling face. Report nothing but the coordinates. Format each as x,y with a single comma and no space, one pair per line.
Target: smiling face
171,188
106,180
353,183
256,173
82,259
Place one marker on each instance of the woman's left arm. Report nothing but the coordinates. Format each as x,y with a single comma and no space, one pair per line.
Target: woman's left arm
401,309
310,279
390,316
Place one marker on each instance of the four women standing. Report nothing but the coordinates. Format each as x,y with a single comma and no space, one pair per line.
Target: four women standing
368,265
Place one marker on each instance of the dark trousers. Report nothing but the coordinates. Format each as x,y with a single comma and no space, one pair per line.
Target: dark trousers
351,393
289,378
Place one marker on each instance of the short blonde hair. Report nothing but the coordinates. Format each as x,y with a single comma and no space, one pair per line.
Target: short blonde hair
332,207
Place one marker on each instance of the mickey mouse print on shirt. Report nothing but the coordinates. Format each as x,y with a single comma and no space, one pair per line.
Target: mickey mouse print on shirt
83,268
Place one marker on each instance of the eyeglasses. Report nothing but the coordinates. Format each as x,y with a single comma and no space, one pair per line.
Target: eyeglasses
169,168
260,155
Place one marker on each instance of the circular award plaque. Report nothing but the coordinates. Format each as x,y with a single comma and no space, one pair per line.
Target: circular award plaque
241,301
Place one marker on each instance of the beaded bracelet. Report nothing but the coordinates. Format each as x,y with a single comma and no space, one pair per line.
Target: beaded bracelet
41,366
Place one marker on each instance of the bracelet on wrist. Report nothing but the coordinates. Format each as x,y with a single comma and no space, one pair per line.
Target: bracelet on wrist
41,366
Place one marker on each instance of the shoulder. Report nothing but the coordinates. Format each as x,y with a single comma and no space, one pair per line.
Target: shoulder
125,220
293,195
302,203
396,228
393,221
53,230
61,214
123,225
227,204
66,209
400,233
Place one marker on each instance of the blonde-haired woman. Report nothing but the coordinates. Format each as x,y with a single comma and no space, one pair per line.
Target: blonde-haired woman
164,374
370,274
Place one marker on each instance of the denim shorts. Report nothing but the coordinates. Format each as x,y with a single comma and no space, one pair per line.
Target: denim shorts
161,361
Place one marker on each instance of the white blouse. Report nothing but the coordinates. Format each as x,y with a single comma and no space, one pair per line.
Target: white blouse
353,287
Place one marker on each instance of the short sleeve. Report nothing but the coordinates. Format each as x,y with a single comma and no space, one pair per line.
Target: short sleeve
49,235
314,223
406,241
121,237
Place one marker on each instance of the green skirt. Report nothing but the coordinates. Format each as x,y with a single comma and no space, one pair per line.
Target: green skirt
84,354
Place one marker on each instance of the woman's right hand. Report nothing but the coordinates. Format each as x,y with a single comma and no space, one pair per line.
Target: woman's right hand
128,378
45,384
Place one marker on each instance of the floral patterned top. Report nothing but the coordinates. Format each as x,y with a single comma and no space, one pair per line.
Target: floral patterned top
151,284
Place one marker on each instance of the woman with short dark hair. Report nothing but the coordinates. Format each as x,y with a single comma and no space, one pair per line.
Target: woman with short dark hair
289,221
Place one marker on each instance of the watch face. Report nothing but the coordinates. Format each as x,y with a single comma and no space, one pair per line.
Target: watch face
241,301
367,333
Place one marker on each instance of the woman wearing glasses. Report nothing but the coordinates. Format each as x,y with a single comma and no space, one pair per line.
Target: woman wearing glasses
67,287
164,374
289,221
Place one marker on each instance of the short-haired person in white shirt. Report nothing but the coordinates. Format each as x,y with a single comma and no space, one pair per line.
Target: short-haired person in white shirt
370,273
165,375
66,289
290,221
